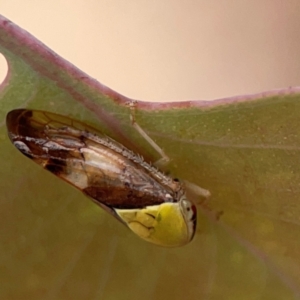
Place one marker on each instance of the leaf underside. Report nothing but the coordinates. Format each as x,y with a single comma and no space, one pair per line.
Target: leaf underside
56,244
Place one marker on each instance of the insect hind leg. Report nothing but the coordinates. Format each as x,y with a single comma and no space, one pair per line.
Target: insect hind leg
164,157
193,188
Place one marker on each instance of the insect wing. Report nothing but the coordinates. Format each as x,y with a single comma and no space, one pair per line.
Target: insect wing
93,163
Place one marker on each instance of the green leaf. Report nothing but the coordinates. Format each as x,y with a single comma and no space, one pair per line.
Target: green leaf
56,244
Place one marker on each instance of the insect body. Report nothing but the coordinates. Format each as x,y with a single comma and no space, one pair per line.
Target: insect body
150,203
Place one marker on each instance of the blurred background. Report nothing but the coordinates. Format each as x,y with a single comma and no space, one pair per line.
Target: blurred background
170,50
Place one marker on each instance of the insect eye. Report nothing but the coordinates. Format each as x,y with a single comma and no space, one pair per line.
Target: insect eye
189,209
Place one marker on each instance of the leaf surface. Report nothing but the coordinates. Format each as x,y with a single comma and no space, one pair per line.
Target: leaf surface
56,244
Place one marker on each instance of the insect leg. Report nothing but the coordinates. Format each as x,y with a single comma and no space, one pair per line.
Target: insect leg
197,190
193,188
164,157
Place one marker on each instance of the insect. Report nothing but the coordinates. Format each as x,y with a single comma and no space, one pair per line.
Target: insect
153,205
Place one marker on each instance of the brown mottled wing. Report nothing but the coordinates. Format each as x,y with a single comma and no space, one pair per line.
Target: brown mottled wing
87,161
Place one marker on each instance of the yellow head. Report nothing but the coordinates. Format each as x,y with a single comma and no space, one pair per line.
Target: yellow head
170,224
